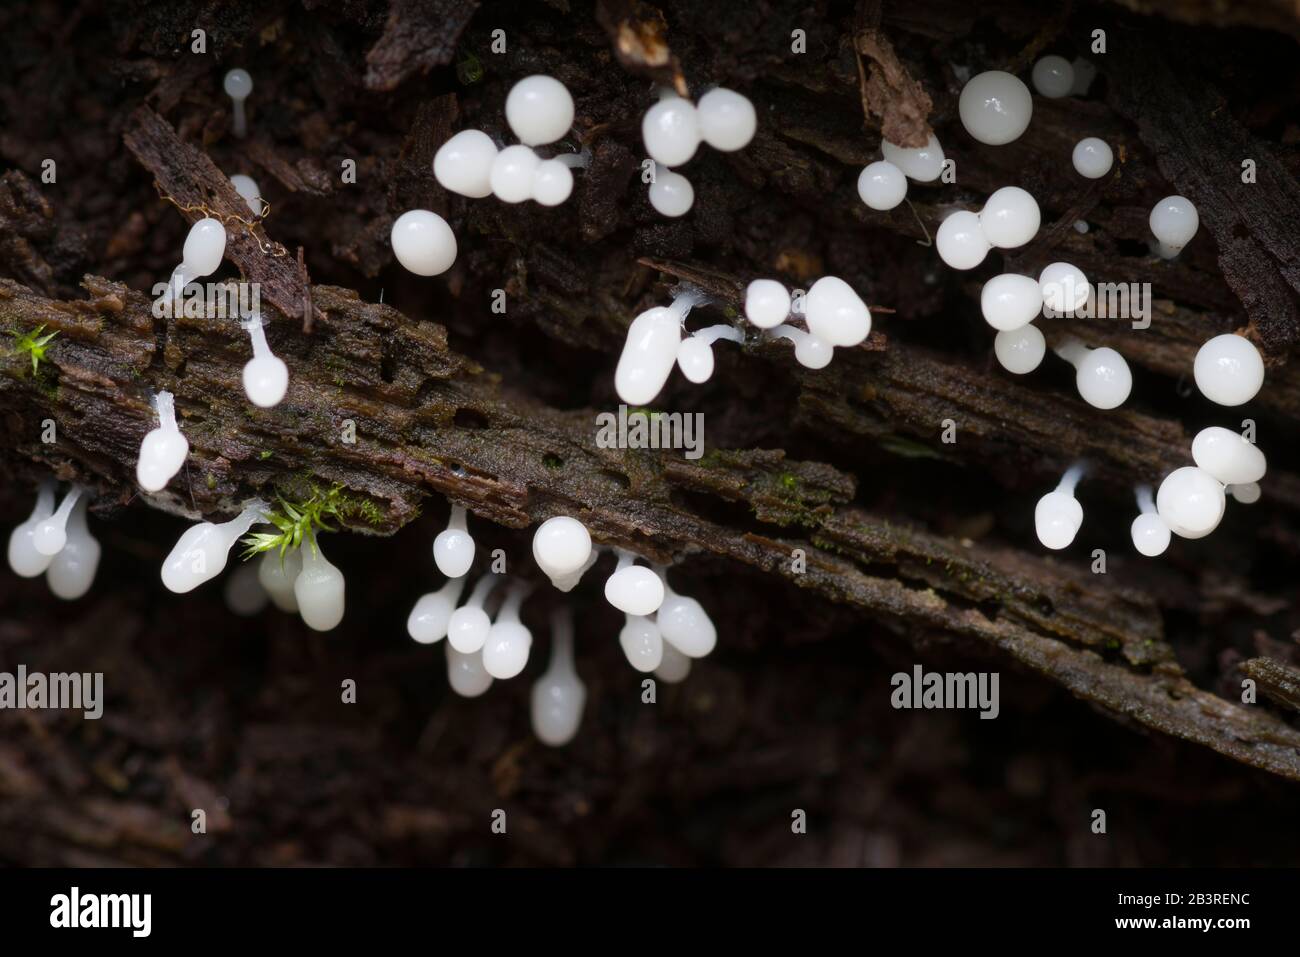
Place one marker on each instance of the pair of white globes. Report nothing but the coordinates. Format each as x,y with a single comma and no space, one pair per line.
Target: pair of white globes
57,542
1009,219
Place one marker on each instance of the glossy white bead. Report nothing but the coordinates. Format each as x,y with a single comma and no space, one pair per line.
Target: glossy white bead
835,314
558,696
72,570
453,548
1150,534
1053,77
466,674
674,666
1103,378
512,174
961,241
561,546
200,554
1191,502
695,359
1092,157
671,194
238,85
767,303
882,185
995,107
923,164
1227,456
1020,350
1064,287
505,652
671,130
552,182
539,110
686,626
727,120
423,242
24,558
1010,218
813,353
205,247
51,534
1009,301
428,620
1246,494
648,355
463,164
163,450
1228,370
246,187
468,626
266,377
1057,519
1174,221
277,574
634,590
318,589
642,644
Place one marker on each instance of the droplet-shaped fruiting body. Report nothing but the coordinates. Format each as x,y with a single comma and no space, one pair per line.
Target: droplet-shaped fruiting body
1053,77
1227,456
1057,519
1064,287
767,303
561,546
468,626
671,130
809,351
539,110
726,119
648,355
1020,350
505,652
51,535
246,187
466,674
277,572
432,613
266,377
634,589
642,644
552,182
1246,494
1174,222
1092,157
72,570
960,241
205,247
1191,502
685,624
243,592
1102,376
674,667
1010,302
1010,218
671,194
238,84
1228,370
318,589
24,559
423,242
453,548
203,549
559,696
163,451
922,164
695,359
835,313
995,107
882,185
1150,534
463,164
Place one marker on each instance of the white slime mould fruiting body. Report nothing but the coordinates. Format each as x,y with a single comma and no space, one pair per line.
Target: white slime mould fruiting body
1102,376
466,674
205,247
809,351
1092,157
671,131
1229,457
238,84
1228,370
1064,287
1149,532
1174,221
727,120
633,589
835,314
318,589
695,354
642,643
671,194
505,652
960,240
427,623
1058,516
266,377
163,451
767,303
468,626
1010,302
995,107
650,351
1191,502
1021,350
463,164
203,549
423,242
51,535
561,547
1010,218
558,696
247,188
684,623
453,548
24,559
1053,77
674,666
277,572
539,110
882,185
243,591
72,569
922,164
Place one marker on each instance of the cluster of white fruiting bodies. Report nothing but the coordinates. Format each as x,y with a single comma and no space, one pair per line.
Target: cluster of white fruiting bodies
662,630
674,128
539,110
57,542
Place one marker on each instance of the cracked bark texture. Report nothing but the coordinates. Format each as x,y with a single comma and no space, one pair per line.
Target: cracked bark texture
916,549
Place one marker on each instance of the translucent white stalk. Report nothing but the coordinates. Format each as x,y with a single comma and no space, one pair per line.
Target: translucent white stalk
633,589
72,570
428,620
238,84
1149,531
468,627
277,574
24,559
163,451
1058,515
559,696
466,674
453,548
243,592
650,351
52,534
318,589
1102,376
684,623
203,549
642,644
505,653
266,377
809,351
695,354
248,190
